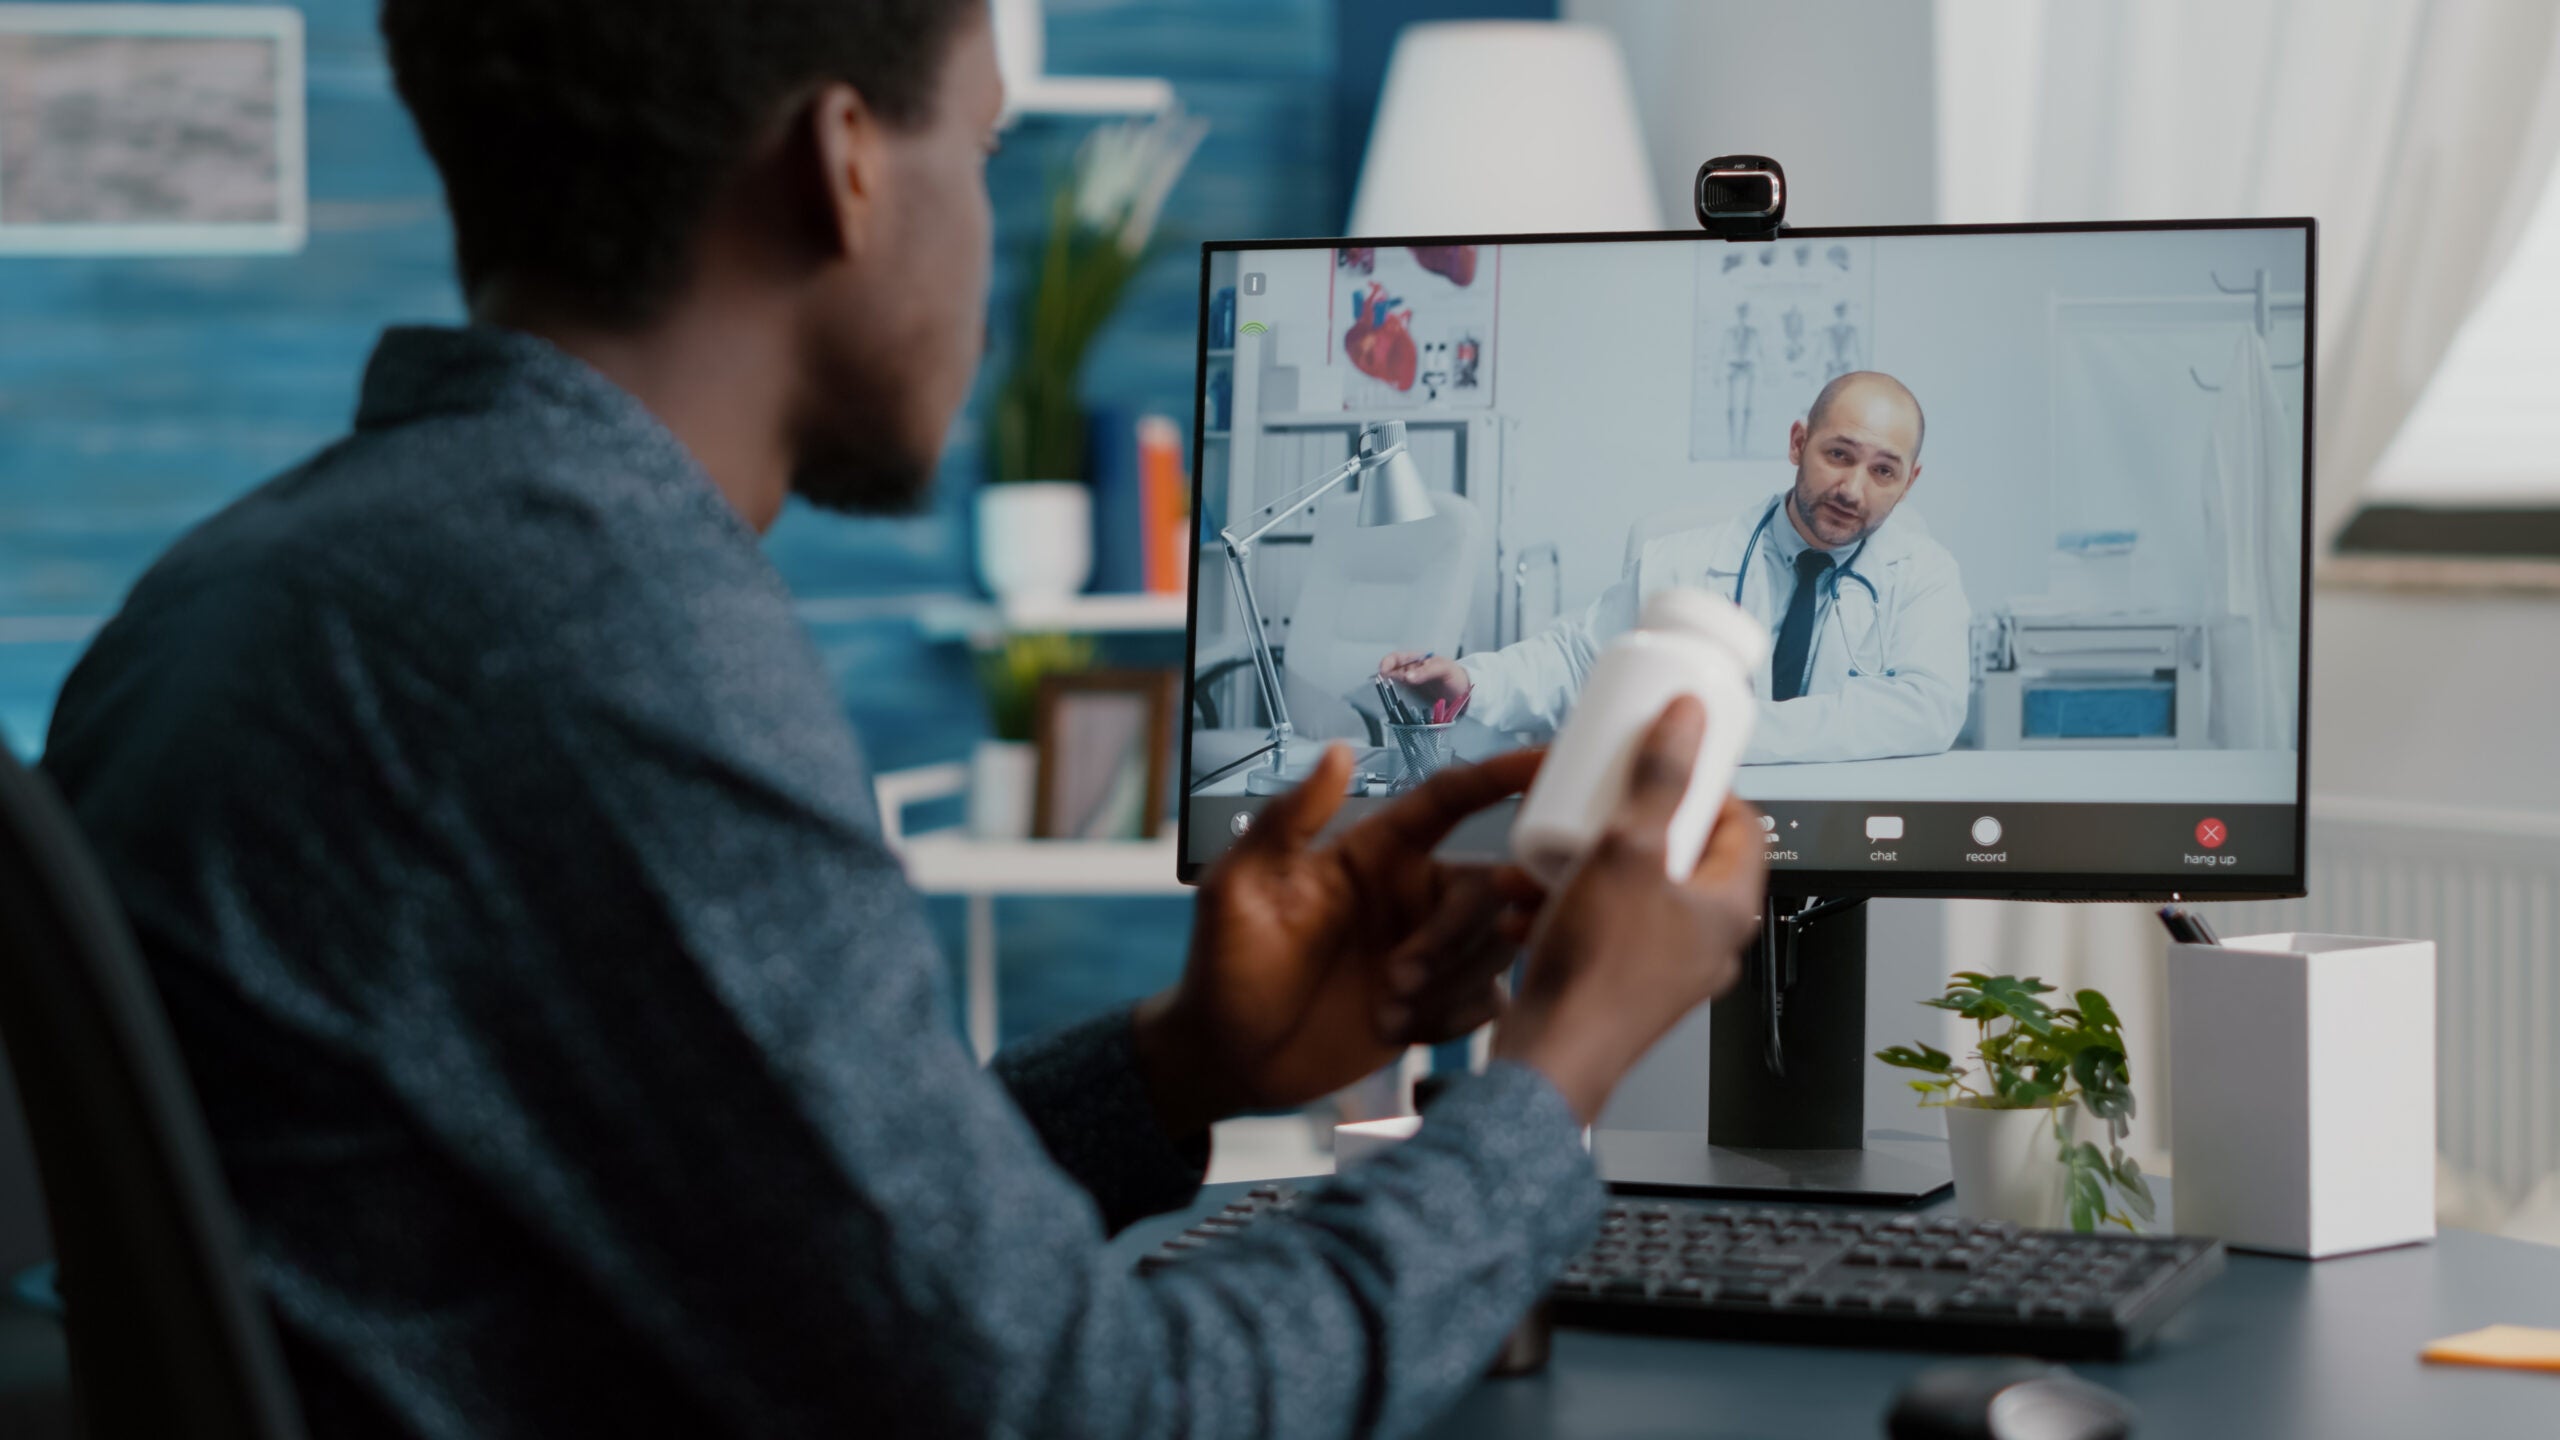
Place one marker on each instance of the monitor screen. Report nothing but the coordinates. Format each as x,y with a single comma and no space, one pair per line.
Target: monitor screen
2025,507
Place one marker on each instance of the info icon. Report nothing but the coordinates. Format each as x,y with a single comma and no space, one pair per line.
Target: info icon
2210,833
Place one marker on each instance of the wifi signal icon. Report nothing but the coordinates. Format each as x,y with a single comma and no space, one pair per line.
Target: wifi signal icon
1253,327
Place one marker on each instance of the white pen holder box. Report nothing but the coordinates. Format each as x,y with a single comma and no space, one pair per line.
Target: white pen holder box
2303,1092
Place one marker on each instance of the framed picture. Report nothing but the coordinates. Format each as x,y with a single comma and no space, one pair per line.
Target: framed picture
151,130
1103,737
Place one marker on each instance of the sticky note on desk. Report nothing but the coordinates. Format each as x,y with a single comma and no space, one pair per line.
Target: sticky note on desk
2509,1347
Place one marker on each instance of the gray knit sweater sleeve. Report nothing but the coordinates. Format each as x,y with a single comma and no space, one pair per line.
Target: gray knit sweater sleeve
1081,1091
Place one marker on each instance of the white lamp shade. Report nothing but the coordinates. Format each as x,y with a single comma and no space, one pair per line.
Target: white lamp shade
1504,127
1393,493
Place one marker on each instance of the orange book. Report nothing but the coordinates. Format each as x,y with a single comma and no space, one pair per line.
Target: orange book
1164,497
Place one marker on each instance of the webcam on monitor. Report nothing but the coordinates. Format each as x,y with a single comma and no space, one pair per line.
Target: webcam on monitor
1742,197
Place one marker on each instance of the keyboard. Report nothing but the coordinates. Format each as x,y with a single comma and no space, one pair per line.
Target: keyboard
1807,1276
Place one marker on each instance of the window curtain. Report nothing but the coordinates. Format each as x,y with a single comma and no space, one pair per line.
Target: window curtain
2417,132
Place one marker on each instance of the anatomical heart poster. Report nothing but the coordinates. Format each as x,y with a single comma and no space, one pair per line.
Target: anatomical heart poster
1775,322
1416,325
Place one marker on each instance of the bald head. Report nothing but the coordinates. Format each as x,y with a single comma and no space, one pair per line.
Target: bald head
1857,453
1869,387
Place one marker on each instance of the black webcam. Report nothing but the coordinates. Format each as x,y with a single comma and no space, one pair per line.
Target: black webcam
1742,197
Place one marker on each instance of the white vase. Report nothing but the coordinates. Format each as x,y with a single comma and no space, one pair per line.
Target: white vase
2008,1164
1035,539
1001,776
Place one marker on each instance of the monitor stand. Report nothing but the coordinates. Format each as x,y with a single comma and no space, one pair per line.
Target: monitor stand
1786,1089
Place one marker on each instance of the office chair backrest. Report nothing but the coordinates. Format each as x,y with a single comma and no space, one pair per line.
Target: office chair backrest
167,1339
1369,592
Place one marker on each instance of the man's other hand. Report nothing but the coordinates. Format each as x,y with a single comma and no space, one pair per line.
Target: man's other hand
1313,965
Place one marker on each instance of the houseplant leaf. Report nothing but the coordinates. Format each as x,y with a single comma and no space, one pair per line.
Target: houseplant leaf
1924,1057
2095,1012
2135,1190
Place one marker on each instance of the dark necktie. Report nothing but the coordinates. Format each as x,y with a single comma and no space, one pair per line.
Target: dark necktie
1795,636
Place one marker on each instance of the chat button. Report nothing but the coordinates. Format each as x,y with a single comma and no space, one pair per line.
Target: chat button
1884,827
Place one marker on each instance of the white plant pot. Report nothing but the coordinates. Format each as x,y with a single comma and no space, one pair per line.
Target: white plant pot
2009,1165
1001,776
1035,539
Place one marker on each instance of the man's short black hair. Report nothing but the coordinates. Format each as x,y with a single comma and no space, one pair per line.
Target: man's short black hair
582,142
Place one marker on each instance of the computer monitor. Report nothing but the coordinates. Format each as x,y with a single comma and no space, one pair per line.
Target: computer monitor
2063,657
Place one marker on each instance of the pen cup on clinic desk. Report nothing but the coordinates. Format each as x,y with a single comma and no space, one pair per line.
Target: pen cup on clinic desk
2302,1092
1422,750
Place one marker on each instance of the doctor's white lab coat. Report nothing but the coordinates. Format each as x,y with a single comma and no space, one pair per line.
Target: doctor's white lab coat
1891,670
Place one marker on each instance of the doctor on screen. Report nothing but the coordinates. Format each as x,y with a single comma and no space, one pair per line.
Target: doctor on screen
1872,656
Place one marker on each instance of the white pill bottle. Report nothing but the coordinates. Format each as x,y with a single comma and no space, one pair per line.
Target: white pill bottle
1686,642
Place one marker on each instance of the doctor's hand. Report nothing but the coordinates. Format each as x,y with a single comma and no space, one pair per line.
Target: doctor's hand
1314,964
1433,677
1620,952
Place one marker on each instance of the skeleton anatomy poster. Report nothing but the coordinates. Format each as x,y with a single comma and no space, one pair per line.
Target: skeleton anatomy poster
1775,320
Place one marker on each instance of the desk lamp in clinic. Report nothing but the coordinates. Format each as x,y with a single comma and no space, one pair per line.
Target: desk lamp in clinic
1391,493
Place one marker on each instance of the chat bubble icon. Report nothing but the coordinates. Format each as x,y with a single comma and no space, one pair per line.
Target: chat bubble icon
1884,827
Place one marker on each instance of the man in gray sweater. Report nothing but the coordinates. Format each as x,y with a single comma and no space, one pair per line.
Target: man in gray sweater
571,1041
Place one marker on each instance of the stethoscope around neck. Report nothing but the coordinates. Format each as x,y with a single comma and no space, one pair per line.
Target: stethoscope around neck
1845,570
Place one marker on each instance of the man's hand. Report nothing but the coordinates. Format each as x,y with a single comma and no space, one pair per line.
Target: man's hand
1313,965
1433,677
1621,953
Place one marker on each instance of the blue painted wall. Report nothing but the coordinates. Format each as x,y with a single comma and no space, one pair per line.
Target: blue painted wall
137,396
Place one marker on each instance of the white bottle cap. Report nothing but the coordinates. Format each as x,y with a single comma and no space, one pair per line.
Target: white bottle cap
1710,617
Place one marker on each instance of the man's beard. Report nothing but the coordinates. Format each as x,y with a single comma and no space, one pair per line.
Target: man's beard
1815,516
875,479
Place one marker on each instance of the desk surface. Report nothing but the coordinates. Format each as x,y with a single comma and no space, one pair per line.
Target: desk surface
2274,1349
2104,777
2224,777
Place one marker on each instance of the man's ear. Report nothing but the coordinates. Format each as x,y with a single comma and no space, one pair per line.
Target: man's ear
848,140
1795,446
1914,480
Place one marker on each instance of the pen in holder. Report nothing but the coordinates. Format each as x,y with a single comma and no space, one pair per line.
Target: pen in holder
1425,749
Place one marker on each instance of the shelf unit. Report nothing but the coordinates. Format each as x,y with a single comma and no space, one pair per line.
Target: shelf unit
964,619
1074,95
1022,54
952,862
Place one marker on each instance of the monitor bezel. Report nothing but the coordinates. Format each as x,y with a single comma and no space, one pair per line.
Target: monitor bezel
2063,886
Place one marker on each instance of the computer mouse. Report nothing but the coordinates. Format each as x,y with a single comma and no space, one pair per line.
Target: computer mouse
2007,1400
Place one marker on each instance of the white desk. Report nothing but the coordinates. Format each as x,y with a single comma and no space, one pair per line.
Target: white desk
2101,777
1470,741
2104,777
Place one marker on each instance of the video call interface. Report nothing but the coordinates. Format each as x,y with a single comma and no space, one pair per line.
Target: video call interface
2024,511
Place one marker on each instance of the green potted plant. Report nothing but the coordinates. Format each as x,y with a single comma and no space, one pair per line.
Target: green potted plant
2012,1113
1005,766
1035,516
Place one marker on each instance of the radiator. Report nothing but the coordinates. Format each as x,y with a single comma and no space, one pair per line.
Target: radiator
2485,886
